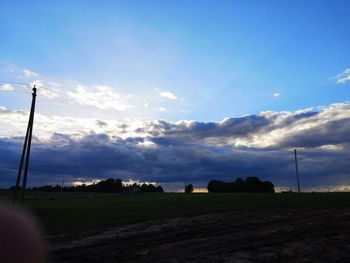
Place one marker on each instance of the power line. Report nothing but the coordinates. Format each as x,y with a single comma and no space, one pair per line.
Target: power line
13,82
4,82
58,99
20,87
16,91
24,89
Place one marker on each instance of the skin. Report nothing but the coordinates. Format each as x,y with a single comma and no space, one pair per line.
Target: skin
21,239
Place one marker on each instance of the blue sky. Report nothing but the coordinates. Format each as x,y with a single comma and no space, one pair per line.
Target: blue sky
135,61
224,58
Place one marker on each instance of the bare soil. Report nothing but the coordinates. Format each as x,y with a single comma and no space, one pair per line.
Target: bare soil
300,235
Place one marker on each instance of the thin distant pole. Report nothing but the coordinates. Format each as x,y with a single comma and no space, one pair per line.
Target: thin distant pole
62,189
25,153
296,169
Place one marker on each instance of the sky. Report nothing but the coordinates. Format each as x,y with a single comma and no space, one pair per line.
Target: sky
177,92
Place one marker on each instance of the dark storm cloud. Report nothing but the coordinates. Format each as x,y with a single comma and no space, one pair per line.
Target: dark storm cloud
199,130
330,133
197,152
268,130
101,124
94,157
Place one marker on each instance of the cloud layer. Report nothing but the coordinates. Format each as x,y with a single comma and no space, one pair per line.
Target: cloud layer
343,77
184,151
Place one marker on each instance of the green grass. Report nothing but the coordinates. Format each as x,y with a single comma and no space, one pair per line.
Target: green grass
77,212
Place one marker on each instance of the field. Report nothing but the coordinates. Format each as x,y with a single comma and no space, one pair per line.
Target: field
286,227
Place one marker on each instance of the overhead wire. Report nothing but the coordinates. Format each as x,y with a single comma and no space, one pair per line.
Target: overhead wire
21,87
17,87
16,91
14,82
25,88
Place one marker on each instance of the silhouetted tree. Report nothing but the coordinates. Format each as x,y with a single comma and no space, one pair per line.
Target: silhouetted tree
216,186
250,185
105,186
109,186
188,188
150,188
159,189
268,187
239,185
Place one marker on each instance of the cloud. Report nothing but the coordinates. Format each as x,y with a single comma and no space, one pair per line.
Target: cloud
168,95
101,156
267,130
13,124
343,77
101,123
276,94
28,73
272,130
186,151
82,98
54,84
102,97
50,93
6,87
38,83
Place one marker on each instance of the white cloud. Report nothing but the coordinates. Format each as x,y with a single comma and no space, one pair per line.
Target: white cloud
13,123
167,94
343,77
28,73
147,144
38,83
269,129
277,94
6,87
101,97
162,109
54,84
49,93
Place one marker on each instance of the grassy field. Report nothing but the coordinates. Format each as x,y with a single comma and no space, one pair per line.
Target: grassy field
76,212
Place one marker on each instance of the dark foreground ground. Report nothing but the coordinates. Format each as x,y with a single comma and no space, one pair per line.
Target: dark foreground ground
87,227
292,235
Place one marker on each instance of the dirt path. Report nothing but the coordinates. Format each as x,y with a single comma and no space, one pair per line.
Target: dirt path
279,236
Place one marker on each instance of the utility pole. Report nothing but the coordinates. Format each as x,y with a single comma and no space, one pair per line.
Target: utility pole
25,153
62,189
296,169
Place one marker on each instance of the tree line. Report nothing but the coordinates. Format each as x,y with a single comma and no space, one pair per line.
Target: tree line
250,185
105,186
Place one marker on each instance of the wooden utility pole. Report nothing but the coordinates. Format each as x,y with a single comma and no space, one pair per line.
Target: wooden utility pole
296,169
25,153
62,189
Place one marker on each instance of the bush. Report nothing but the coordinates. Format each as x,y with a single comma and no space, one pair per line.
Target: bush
188,188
